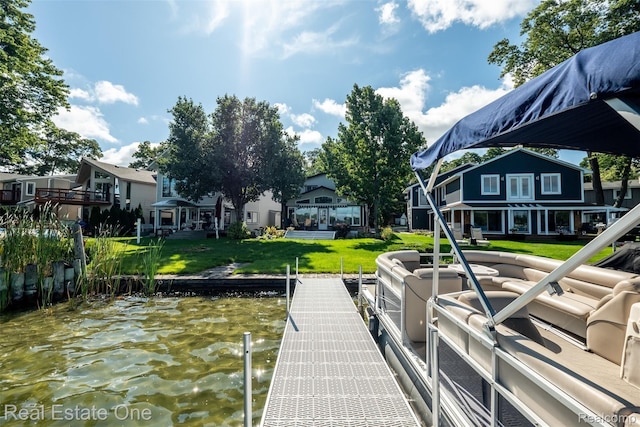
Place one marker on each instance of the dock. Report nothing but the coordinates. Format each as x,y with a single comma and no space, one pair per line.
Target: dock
329,370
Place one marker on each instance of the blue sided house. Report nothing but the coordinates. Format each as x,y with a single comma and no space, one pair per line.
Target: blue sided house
521,192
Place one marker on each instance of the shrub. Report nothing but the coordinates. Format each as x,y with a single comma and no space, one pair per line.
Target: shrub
342,230
387,233
238,231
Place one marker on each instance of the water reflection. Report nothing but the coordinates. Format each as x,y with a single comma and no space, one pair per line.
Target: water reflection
137,362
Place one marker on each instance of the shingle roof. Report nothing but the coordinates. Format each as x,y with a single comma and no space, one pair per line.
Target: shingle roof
121,172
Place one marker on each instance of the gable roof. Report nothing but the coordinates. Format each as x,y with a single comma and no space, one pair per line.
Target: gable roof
531,153
121,172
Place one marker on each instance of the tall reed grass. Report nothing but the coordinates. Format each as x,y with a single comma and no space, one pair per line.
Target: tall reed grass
151,264
34,238
105,265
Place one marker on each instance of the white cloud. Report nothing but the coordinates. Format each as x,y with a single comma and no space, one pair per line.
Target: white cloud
438,15
88,121
412,91
304,120
218,12
143,121
77,93
387,13
108,93
308,138
316,42
331,107
120,156
268,25
282,108
412,96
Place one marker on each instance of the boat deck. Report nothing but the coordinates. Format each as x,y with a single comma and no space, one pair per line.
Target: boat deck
329,369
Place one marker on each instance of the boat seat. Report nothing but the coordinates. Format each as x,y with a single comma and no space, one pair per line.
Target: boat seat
519,321
417,293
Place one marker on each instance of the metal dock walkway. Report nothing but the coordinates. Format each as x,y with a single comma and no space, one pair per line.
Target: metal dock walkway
329,370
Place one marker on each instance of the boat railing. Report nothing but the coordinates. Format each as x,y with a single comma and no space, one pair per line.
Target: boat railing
391,291
498,370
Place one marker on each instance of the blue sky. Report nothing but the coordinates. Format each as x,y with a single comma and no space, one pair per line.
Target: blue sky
127,62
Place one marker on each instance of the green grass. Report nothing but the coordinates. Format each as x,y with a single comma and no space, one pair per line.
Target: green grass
272,256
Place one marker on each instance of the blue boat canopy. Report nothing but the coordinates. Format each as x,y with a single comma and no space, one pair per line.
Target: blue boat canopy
590,102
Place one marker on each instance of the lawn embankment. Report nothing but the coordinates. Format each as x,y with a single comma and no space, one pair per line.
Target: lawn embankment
320,256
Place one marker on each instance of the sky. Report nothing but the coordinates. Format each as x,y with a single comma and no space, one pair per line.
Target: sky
126,62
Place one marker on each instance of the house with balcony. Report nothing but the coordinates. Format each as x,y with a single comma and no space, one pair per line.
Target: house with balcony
521,192
106,185
28,192
319,207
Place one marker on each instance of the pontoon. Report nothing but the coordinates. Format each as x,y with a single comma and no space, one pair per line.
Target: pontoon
493,338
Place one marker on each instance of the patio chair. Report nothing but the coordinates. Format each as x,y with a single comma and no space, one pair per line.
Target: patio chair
477,238
460,240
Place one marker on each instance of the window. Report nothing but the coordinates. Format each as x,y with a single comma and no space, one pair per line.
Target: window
488,220
168,187
252,217
519,187
101,175
422,199
627,195
550,183
323,200
31,189
490,185
520,221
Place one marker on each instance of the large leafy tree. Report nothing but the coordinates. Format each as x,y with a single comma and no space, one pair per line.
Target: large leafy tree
556,30
234,150
31,87
146,154
57,151
286,171
187,151
368,159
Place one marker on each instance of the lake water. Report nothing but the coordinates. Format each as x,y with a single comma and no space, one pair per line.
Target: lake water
156,362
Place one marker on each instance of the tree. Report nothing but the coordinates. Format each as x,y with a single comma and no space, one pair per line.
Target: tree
231,151
245,133
286,172
369,159
557,30
57,151
31,87
468,157
186,159
313,162
146,154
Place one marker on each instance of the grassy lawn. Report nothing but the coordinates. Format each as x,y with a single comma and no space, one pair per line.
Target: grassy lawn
272,256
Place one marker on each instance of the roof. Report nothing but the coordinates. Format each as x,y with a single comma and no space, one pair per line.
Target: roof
5,176
590,102
121,172
615,185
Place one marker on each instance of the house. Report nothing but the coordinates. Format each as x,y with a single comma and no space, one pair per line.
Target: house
521,191
172,211
106,185
28,191
319,207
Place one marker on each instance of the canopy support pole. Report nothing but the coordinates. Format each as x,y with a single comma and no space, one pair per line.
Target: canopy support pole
484,301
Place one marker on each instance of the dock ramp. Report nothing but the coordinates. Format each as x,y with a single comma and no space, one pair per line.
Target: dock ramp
329,369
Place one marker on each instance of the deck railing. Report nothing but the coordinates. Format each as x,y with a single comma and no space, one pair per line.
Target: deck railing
71,197
9,197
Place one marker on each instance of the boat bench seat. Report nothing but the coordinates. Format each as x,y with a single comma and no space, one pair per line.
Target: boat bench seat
418,279
579,373
595,304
